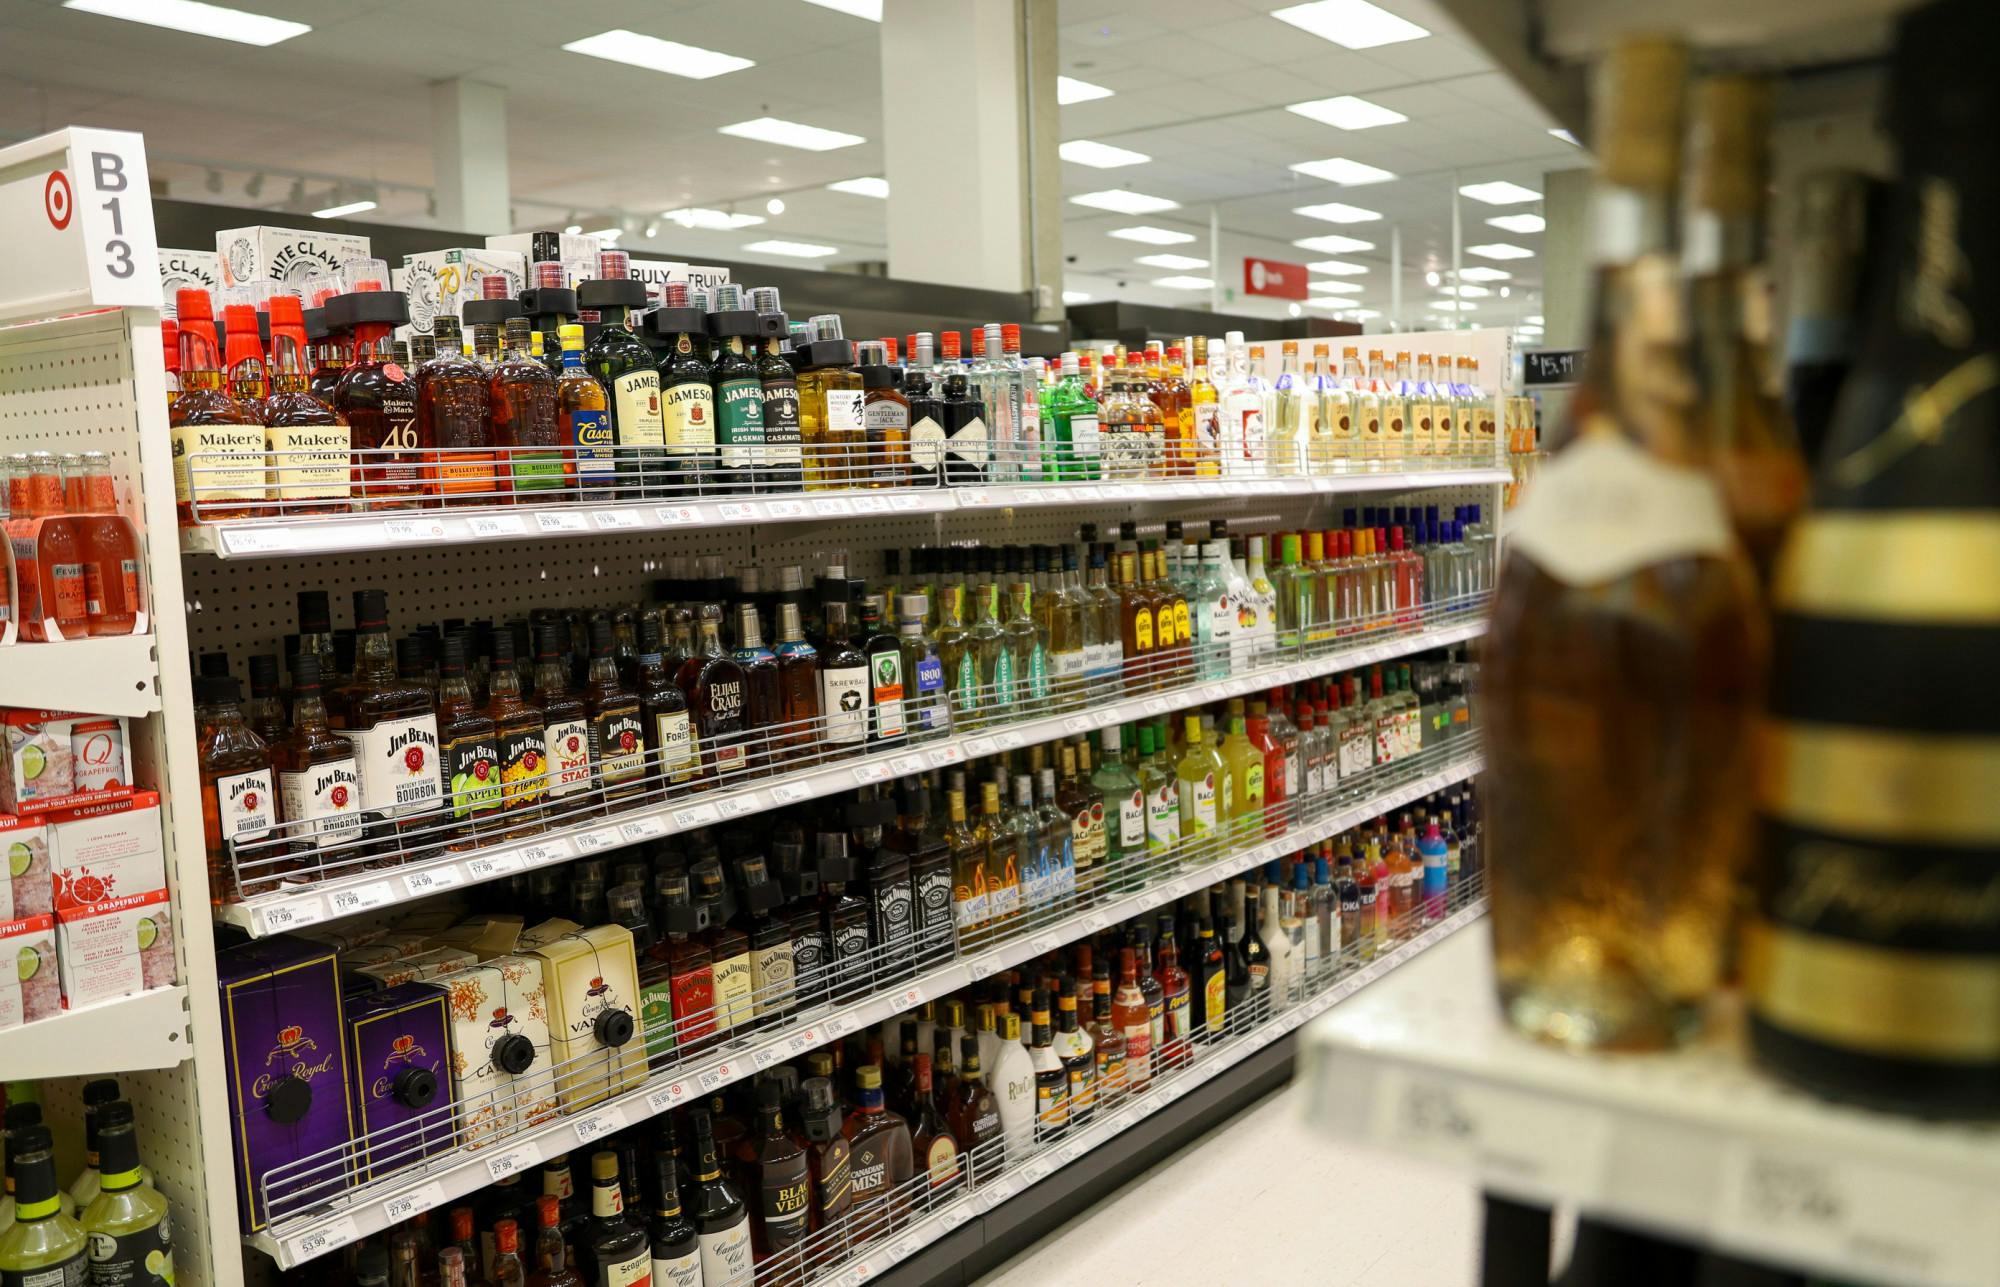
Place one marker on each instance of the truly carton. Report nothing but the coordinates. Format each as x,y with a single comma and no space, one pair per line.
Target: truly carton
285,1044
30,980
106,850
399,1051
283,254
440,281
591,977
501,1054
29,886
115,948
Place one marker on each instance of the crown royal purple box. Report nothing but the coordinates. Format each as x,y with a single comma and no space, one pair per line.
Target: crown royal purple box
288,1096
399,1045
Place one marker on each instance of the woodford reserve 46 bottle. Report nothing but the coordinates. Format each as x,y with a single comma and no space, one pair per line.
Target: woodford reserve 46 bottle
1873,965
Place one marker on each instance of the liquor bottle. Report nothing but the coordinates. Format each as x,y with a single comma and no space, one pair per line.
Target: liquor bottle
583,424
1880,798
218,443
888,683
782,467
375,395
832,421
554,1265
934,1148
1687,677
720,1219
1242,813
1822,287
1205,409
1124,800
238,804
975,1112
763,701
1003,860
797,661
319,781
1070,438
1209,984
566,724
687,395
307,443
1200,784
44,1244
927,709
1058,836
880,1161
1111,1079
1015,1079
616,1247
617,736
1083,803
736,464
1052,1082
506,1269
971,903
885,415
663,711
521,735
526,434
391,723
927,436
1131,1018
1073,1046
1026,651
844,682
713,683
778,1175
126,1222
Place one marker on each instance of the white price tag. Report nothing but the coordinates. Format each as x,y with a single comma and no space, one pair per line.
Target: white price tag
904,765
1079,723
678,515
291,914
696,815
603,838
1186,489
331,1236
720,1075
551,522
979,747
954,1216
1009,741
491,866
1033,496
871,504
257,540
1095,922
404,1205
838,1026
413,529
736,806
741,512
865,773
599,1123
976,497
791,792
361,898
491,525
785,508
1527,1143
944,755
671,1095
1086,492
909,502
1157,705
609,519
911,997
829,506
1041,943
545,853
420,883
764,1056
641,829
514,1161
800,1042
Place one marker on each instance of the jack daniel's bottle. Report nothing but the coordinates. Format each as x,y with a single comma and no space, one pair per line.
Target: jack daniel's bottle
1874,967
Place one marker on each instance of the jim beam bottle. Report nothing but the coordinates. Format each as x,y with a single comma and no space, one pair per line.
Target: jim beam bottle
1873,965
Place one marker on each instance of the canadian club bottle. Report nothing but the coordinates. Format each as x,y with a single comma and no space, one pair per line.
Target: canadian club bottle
1626,651
721,1221
1874,963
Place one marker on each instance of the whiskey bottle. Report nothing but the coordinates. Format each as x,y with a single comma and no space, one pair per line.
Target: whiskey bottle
306,440
1623,848
218,444
738,466
763,698
828,1160
675,1243
375,395
663,712
782,467
713,683
319,781
590,457
518,727
779,1177
798,688
721,1221
624,366
880,1160
1873,954
571,764
832,426
554,1265
526,435
617,1249
688,393
617,736
843,682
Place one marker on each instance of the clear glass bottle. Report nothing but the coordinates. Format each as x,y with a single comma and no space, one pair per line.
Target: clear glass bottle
522,407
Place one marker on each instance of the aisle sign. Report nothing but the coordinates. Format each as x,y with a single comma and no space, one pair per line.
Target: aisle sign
77,208
1274,278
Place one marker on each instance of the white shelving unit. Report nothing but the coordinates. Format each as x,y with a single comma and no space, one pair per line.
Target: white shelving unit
118,675
1697,1144
128,1034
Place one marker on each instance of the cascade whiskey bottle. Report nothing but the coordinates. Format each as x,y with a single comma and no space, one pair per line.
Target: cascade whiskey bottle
1873,960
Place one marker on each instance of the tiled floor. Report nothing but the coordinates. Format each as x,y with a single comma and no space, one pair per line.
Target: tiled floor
1258,1201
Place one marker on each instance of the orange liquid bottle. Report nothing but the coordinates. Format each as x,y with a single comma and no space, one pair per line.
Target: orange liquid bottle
48,557
114,590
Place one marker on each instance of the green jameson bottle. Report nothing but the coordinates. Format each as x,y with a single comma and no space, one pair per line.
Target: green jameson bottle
44,1247
739,396
131,1239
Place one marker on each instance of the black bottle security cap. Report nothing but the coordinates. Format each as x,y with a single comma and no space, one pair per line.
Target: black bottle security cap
490,312
734,321
772,326
835,862
315,320
288,1100
415,1088
371,610
760,894
824,353
611,292
876,375
548,301
367,307
217,688
409,654
612,1028
514,1054
819,1113
212,665
669,322
878,812
315,614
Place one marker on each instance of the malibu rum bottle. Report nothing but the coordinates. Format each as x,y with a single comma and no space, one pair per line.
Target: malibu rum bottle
1873,957
1624,821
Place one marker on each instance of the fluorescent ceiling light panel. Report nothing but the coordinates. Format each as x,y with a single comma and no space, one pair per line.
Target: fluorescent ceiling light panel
1076,297
336,212
1124,202
1361,314
1566,137
1478,274
1336,268
1533,319
1071,90
1351,24
1467,292
795,249
811,138
873,186
1172,261
1338,212
1334,288
869,9
1499,193
711,220
654,54
1347,113
196,19
1452,306
1333,244
1152,236
1338,169
1183,283
1519,222
1500,250
1101,156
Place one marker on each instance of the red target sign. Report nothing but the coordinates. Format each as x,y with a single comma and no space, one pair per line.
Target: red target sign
57,201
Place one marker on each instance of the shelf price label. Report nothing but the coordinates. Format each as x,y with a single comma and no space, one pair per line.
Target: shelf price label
740,511
599,1123
800,1042
904,765
546,852
291,914
331,1236
791,792
866,773
413,529
404,1205
642,829
551,521
944,755
492,866
420,883
910,502
258,540
496,525
1079,723
361,898
871,504
979,747
720,1075
590,842
1530,1142
678,515
696,815
514,1161
736,806
832,506
618,519
671,1095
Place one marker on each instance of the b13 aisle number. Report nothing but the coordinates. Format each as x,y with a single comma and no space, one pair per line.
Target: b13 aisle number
116,211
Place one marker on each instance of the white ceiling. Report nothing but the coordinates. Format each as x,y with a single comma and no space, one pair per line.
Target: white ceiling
1200,86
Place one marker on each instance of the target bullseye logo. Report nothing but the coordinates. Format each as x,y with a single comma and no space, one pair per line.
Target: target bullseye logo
57,200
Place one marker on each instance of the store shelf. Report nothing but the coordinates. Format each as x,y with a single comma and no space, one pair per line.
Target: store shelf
937,1224
369,890
149,1030
375,1207
357,533
1696,1144
115,675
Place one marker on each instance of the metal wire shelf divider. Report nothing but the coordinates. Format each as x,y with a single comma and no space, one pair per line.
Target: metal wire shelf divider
432,1138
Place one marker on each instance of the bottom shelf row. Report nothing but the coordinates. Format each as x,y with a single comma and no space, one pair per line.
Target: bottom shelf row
833,1169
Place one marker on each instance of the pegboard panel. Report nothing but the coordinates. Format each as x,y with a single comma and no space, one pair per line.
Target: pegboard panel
66,385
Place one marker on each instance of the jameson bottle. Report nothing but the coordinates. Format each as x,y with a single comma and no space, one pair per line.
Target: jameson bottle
624,366
739,396
687,393
1625,821
783,468
1873,962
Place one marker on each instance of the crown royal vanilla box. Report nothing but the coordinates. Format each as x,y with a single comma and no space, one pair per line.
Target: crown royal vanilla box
399,1048
592,980
285,1051
502,1058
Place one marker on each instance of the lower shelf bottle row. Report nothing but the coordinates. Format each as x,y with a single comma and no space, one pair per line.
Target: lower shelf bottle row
110,1224
843,1155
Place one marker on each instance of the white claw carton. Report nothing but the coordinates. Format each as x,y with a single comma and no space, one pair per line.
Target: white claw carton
441,281
283,254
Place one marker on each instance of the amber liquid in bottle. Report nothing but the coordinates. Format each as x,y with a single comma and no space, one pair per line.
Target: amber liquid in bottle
235,768
469,751
617,738
380,405
376,696
453,416
522,396
519,729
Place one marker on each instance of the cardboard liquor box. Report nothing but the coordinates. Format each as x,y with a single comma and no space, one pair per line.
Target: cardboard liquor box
419,967
283,254
399,1048
486,936
285,1048
577,251
502,1058
30,979
105,850
188,270
29,886
42,750
441,281
591,978
116,947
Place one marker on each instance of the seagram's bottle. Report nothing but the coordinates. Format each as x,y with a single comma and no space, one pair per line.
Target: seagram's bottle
1874,962
1624,662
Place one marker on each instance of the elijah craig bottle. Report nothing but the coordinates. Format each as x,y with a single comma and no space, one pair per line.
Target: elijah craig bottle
1873,967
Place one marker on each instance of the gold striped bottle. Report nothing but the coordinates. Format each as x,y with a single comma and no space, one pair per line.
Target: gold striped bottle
1873,964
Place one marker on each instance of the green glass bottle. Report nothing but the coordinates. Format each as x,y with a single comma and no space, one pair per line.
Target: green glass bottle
1069,428
44,1246
624,366
131,1238
1124,813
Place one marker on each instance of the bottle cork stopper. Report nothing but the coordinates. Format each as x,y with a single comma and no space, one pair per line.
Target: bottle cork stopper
1638,109
1727,143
